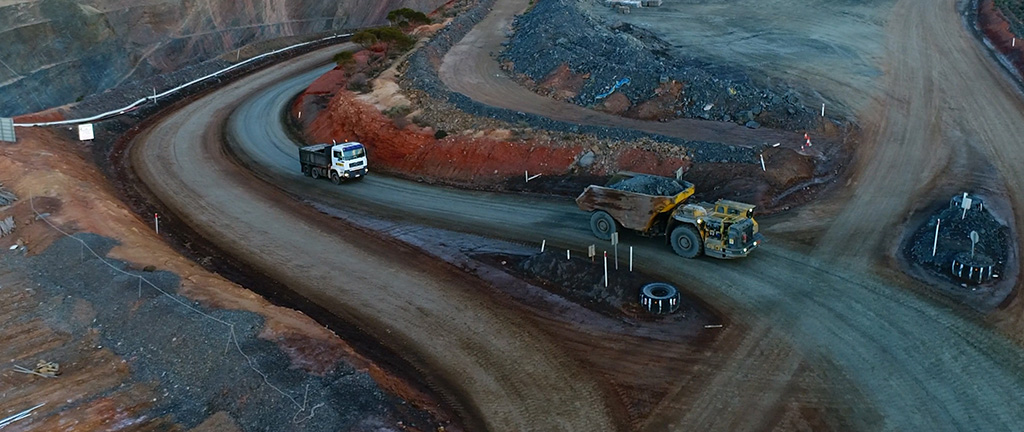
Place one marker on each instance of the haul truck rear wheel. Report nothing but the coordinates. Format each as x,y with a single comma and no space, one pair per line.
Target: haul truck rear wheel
685,242
602,224
315,173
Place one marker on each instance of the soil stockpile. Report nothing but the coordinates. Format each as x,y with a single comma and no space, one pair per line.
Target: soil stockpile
603,55
582,281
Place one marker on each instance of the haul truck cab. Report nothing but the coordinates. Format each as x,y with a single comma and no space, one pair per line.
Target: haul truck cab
337,161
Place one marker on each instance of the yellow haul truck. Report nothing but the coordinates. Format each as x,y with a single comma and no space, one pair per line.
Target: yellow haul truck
654,205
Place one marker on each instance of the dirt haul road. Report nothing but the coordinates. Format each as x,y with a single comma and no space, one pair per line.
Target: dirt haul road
886,358
499,369
941,106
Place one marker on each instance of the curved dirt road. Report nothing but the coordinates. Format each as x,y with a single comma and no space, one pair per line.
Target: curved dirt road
468,68
496,367
888,359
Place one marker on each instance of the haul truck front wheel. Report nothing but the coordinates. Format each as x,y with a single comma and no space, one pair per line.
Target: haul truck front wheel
602,224
335,178
685,242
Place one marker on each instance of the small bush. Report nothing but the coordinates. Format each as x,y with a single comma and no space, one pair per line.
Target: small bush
397,111
343,58
405,17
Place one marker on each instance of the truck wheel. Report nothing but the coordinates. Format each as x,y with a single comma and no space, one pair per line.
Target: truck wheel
685,242
602,224
659,298
305,170
335,178
315,172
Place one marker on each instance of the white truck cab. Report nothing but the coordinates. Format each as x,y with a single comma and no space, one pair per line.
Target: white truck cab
336,161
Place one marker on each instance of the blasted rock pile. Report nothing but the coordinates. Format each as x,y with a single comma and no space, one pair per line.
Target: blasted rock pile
557,31
649,185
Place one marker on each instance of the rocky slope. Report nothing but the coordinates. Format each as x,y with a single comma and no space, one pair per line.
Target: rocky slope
58,51
559,49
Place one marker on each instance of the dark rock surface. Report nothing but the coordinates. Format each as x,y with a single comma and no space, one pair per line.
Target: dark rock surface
557,31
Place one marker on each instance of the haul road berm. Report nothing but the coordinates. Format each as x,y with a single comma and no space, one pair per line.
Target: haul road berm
654,205
337,161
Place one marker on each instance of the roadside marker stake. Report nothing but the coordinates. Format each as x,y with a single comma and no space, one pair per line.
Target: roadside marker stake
615,243
528,178
762,163
156,222
935,244
606,269
542,244
567,254
823,110
631,258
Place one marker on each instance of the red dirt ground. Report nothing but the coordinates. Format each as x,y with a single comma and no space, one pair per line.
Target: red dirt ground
997,29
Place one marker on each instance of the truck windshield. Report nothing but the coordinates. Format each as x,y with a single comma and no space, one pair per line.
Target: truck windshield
354,153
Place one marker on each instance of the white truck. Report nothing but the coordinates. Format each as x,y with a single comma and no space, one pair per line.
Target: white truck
339,162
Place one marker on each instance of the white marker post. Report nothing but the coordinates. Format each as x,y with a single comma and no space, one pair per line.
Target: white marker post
762,163
156,222
935,244
823,110
615,244
300,115
631,258
567,254
542,244
606,269
528,178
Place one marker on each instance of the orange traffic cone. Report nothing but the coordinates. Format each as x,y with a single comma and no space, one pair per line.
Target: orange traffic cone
807,138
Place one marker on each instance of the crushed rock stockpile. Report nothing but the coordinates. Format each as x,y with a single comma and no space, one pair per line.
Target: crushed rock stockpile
421,73
649,185
954,242
557,32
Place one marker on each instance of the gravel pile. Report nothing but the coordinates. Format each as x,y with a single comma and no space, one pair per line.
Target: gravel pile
189,357
421,74
557,31
954,238
649,185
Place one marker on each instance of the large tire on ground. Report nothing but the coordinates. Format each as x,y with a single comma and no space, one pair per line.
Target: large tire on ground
335,178
659,298
315,172
685,242
602,224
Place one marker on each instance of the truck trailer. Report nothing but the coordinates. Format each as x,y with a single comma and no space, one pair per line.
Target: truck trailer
654,205
338,162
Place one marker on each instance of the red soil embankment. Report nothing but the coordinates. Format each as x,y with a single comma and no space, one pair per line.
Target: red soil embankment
484,159
996,29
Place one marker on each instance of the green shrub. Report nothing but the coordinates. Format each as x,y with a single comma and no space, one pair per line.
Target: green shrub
343,58
405,16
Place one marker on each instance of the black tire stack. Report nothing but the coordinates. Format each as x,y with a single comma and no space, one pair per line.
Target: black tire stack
659,298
